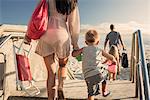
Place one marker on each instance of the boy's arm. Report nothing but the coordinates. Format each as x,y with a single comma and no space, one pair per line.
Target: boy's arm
109,56
77,52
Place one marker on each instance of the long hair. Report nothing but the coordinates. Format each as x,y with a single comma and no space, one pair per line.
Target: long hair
65,6
114,51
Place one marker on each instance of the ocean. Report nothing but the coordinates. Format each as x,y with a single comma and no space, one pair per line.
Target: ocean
127,40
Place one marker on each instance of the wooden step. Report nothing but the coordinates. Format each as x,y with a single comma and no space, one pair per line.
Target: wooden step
76,90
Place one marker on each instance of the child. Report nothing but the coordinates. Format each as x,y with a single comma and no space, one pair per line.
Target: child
112,67
90,63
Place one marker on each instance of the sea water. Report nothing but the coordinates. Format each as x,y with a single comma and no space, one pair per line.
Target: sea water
126,38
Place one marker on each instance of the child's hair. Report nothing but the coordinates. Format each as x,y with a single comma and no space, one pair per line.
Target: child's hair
65,6
114,51
91,36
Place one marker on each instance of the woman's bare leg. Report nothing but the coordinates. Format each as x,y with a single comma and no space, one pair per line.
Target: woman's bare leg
51,71
62,74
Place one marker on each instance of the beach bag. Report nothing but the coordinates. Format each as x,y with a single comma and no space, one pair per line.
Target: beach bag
39,21
23,66
124,60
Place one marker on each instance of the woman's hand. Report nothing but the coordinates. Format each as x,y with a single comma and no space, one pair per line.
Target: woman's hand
27,40
75,47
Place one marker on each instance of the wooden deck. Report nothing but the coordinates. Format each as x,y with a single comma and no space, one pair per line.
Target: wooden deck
76,90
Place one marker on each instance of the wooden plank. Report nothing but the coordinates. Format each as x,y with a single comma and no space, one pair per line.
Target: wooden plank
76,89
119,90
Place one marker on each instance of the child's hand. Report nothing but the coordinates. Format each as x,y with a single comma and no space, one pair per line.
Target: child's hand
76,52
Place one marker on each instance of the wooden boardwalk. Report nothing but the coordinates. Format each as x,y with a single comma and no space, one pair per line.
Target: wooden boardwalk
76,90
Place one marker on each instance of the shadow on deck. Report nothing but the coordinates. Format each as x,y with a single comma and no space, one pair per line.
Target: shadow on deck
44,98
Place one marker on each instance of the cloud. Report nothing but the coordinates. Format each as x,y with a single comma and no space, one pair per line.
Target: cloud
123,28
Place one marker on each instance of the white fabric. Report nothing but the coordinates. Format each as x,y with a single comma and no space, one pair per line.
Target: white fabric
57,37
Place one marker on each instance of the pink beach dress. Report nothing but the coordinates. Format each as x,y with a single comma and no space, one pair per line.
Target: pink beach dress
62,31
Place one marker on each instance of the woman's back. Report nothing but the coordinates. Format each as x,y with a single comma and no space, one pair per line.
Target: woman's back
56,20
60,27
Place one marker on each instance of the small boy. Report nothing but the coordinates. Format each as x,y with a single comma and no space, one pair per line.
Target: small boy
91,64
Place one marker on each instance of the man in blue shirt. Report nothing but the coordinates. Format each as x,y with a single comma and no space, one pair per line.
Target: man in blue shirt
114,38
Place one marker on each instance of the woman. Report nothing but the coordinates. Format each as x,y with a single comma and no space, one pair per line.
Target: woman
64,22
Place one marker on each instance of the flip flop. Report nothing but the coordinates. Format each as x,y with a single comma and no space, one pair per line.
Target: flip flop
106,94
60,95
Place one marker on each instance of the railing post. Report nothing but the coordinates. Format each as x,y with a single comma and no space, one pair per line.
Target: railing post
140,82
144,68
139,73
132,59
136,66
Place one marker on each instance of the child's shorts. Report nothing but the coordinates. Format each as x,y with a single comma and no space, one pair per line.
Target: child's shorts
92,84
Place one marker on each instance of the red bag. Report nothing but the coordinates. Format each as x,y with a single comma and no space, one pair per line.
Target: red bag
23,66
39,21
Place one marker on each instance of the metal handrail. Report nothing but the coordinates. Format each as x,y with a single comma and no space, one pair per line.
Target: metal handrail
139,71
11,36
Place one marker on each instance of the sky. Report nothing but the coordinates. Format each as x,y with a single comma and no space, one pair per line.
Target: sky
124,14
97,11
